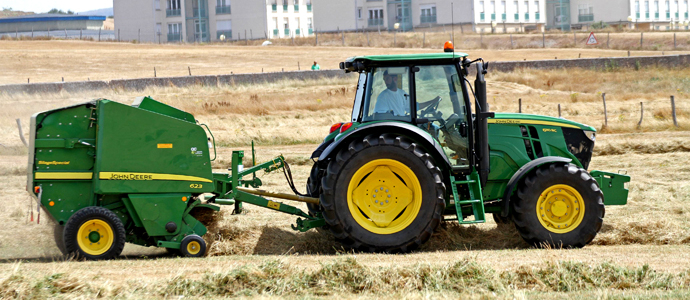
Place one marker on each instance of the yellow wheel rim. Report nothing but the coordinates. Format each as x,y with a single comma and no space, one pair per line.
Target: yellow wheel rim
384,196
193,248
560,208
95,237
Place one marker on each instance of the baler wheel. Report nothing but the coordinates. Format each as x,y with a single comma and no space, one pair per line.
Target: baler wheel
193,246
94,233
58,234
382,193
559,205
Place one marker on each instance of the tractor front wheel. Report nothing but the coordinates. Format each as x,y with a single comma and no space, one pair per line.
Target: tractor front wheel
559,205
382,193
94,233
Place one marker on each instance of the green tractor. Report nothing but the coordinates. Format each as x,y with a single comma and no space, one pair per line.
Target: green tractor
415,153
418,150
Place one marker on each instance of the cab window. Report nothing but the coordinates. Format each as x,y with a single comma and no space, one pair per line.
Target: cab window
387,96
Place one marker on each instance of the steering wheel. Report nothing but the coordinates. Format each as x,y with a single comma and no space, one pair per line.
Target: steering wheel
432,107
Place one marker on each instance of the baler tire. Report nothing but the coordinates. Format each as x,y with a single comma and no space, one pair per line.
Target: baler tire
101,217
411,231
58,234
193,246
576,184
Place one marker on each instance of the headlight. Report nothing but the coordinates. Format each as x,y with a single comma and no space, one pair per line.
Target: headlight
591,135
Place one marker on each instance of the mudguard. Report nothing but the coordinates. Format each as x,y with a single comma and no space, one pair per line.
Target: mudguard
526,168
415,133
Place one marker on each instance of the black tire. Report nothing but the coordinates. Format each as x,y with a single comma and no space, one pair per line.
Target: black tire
501,220
334,189
193,246
527,220
58,235
95,215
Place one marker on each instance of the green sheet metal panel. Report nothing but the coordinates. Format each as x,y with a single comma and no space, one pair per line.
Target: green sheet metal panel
613,186
157,210
140,151
147,103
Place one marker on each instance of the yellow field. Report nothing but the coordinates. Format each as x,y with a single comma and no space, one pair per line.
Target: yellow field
50,61
641,251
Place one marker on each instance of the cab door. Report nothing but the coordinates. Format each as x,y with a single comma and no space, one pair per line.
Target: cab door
439,99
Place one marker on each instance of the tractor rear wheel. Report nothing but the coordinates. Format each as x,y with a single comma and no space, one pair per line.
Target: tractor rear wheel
382,193
94,233
559,205
58,235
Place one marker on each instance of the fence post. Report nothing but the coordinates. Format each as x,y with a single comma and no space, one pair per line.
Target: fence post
674,40
316,37
368,39
298,68
343,36
511,41
424,39
246,41
190,70
118,34
395,38
65,33
559,110
543,40
32,33
154,72
80,33
606,120
99,34
673,111
574,38
641,39
519,105
641,115
251,35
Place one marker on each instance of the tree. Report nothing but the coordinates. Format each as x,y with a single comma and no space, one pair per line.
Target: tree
60,12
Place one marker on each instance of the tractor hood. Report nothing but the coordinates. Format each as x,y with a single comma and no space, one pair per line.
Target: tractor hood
513,118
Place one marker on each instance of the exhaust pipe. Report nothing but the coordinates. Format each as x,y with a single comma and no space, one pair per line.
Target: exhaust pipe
482,125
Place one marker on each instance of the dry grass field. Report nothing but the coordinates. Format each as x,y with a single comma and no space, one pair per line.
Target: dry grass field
51,61
640,253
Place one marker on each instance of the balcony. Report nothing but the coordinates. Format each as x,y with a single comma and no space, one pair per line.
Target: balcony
516,17
637,16
536,16
275,32
646,15
585,18
526,16
173,12
173,37
503,17
375,22
481,17
222,10
311,31
493,17
668,15
309,7
196,12
285,8
677,15
226,33
296,7
427,19
287,31
656,16
686,15
297,31
274,7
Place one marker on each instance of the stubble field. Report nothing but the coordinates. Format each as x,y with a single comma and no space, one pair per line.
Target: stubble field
641,252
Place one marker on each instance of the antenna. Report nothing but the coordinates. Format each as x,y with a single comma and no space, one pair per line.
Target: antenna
452,29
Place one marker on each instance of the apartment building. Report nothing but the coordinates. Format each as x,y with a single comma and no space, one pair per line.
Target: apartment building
643,14
191,21
483,15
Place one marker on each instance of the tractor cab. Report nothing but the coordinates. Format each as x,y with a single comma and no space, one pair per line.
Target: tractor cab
424,90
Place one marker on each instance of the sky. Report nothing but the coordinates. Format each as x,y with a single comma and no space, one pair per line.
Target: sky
42,6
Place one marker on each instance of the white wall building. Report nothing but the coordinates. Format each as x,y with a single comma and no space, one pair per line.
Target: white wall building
211,20
505,16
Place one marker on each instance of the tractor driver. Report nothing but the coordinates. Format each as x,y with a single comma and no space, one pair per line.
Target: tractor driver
394,100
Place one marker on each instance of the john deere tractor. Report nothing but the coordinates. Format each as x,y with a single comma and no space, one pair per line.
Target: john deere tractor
421,148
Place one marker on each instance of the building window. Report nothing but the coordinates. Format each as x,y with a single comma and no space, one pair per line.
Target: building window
585,13
428,13
516,4
310,25
275,26
308,5
222,7
526,10
536,11
502,9
286,26
174,32
359,13
646,9
157,4
656,10
224,29
481,11
668,9
686,9
174,9
375,17
677,10
285,5
637,10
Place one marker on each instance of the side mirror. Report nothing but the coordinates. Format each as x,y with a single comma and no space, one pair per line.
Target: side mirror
486,67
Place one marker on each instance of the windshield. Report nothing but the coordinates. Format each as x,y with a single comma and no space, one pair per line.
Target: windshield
387,96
